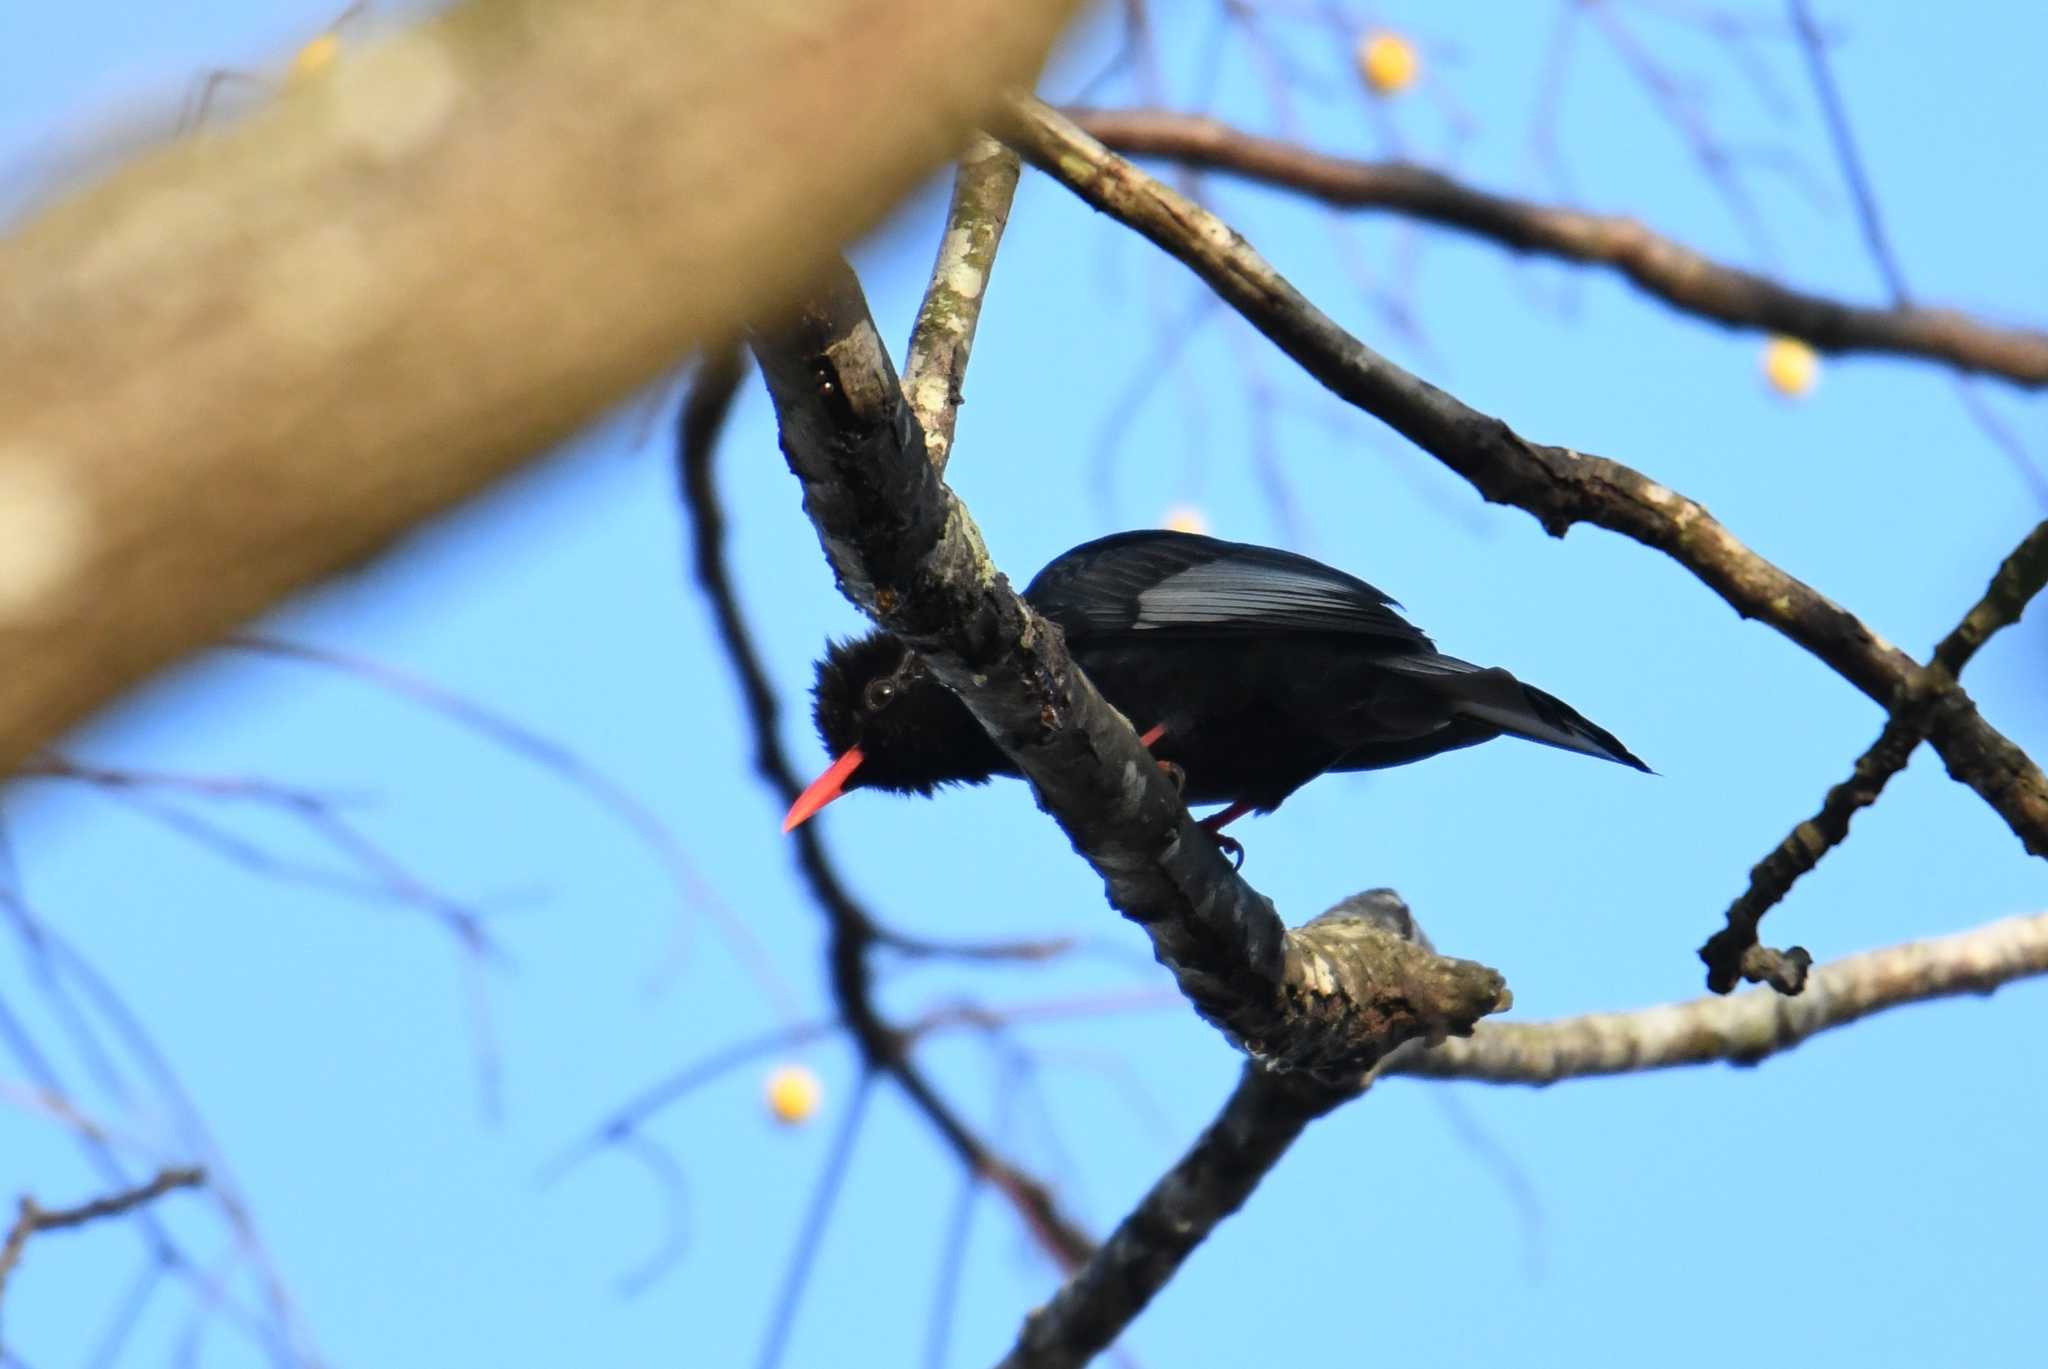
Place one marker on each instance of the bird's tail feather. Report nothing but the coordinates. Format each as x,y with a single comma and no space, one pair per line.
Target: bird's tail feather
1498,699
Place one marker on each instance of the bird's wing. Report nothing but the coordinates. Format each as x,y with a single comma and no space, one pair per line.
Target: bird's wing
1189,585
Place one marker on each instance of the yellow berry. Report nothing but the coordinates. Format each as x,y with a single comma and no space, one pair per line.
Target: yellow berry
793,1093
1792,367
1388,62
314,58
1184,518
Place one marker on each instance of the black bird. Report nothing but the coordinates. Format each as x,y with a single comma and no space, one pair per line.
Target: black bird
1253,671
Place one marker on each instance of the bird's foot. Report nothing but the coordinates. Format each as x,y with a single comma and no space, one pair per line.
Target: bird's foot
1175,774
1232,847
1216,822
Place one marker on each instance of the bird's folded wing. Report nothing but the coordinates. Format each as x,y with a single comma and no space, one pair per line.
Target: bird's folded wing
1180,583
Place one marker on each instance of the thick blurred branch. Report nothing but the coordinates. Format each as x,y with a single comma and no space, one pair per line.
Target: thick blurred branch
906,552
255,356
1742,1028
1732,953
1558,486
1658,265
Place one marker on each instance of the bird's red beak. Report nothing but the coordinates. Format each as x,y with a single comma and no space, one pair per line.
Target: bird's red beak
823,790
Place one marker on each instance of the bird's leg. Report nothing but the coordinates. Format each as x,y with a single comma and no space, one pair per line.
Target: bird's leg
1216,822
1211,825
1167,768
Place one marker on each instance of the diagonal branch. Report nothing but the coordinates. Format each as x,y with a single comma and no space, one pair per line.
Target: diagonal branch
907,553
33,1219
1658,265
1733,953
188,346
854,931
1261,1119
1814,45
1558,486
936,363
1742,1028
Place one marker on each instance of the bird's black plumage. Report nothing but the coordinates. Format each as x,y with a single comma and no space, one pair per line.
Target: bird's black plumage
1264,668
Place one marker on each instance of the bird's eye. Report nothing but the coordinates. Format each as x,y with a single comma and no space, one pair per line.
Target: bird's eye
880,694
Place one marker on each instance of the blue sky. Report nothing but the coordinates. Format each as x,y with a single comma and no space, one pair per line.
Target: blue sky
1872,1194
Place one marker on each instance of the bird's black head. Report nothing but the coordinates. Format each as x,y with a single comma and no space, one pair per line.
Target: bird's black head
890,725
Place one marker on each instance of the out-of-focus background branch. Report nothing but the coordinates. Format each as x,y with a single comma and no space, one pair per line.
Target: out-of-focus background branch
497,223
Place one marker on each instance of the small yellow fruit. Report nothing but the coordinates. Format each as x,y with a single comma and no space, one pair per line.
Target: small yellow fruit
314,58
1184,518
1792,367
793,1094
1388,62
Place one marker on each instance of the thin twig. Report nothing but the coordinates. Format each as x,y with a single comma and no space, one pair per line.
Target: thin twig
1814,45
812,1233
1658,265
693,891
1743,1028
1732,954
952,1265
1871,222
33,1219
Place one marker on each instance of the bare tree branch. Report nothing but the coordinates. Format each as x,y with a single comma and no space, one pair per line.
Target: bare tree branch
255,356
1660,266
936,362
1814,45
817,1215
1733,953
855,933
1741,1028
33,1219
1260,1121
1558,486
1268,1111
906,552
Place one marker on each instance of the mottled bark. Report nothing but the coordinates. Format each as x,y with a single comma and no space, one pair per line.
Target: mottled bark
935,366
1743,1028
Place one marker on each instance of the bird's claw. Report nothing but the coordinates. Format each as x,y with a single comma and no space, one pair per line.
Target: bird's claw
1174,773
1232,847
